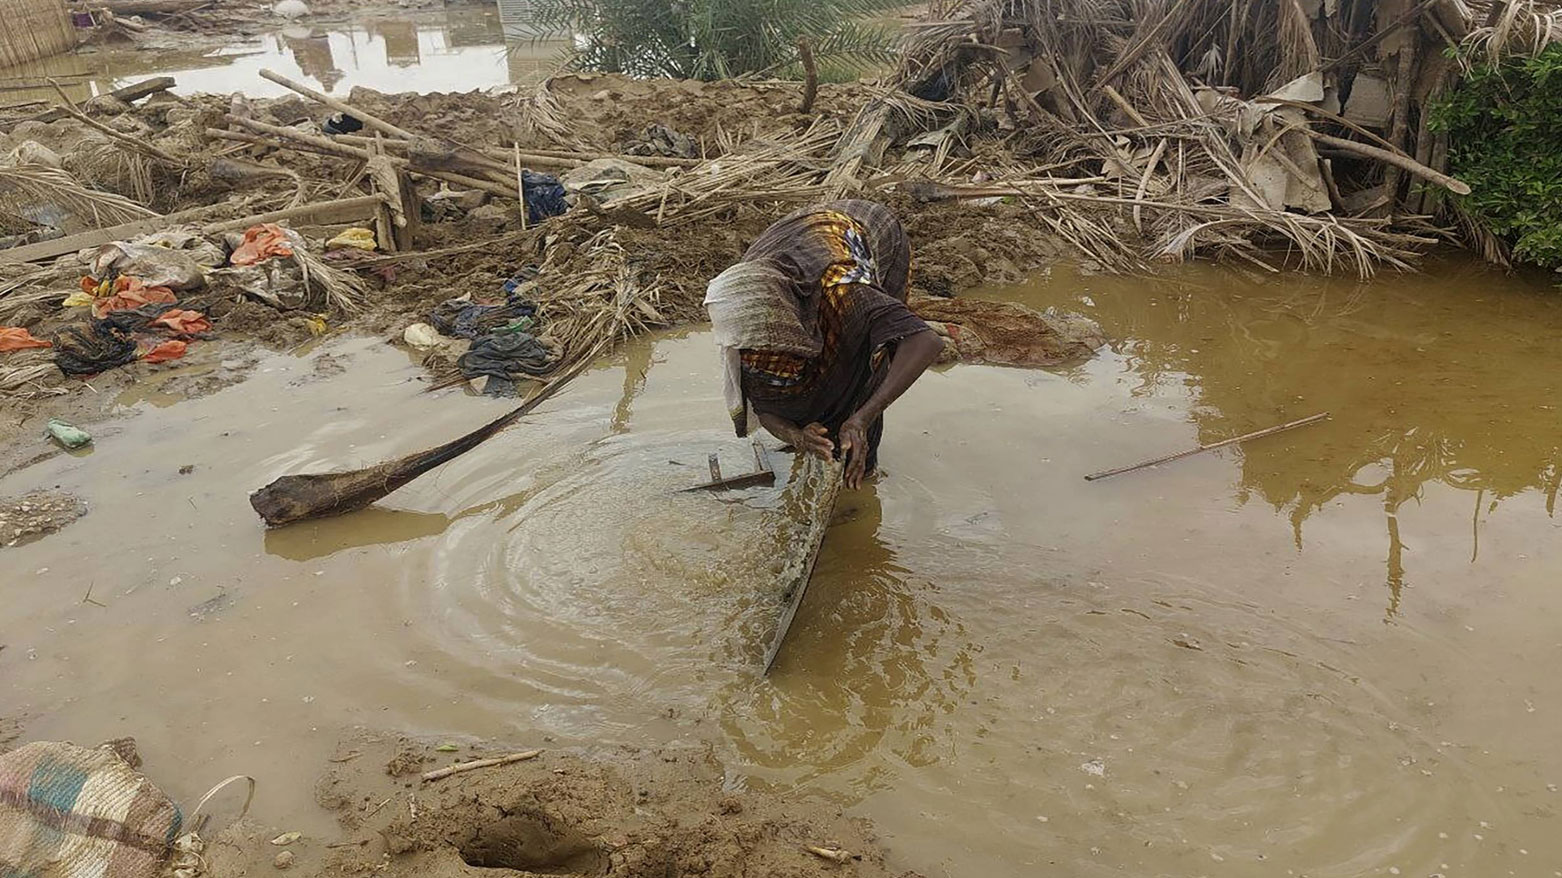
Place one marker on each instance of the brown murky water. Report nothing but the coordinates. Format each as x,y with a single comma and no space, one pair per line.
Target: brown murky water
1331,653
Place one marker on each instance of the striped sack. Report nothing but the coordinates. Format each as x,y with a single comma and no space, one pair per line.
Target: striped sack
76,813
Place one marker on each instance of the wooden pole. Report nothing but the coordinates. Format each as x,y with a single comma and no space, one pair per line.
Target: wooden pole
520,185
1257,434
1390,158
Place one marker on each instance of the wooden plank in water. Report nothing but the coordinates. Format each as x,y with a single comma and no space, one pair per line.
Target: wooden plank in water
824,511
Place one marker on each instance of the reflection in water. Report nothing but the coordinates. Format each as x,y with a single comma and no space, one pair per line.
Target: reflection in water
375,526
1440,387
457,49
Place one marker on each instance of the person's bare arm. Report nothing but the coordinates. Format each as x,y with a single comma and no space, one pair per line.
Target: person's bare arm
813,439
913,354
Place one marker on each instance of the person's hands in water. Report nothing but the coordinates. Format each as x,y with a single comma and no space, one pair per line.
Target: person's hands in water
854,449
814,439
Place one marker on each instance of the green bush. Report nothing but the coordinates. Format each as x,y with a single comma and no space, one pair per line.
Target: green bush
718,39
1504,123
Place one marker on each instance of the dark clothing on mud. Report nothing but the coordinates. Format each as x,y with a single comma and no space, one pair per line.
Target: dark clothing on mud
809,319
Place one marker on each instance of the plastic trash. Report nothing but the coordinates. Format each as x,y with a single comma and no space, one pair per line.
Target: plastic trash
422,336
67,435
261,243
168,350
359,238
15,338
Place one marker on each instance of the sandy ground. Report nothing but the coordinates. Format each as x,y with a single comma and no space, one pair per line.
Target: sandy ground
619,813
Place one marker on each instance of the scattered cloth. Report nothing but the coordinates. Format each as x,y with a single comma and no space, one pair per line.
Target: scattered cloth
184,322
129,320
130,293
70,436
15,338
84,350
72,811
172,349
511,356
78,299
358,238
659,140
463,318
261,243
544,196
341,123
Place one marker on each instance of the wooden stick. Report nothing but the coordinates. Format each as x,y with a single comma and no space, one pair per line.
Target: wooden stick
1257,434
133,143
458,768
805,53
340,106
369,119
1390,158
330,147
520,185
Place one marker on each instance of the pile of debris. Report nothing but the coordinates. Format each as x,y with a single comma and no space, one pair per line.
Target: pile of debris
1153,130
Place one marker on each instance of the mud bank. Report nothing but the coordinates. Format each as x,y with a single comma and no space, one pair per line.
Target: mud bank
612,813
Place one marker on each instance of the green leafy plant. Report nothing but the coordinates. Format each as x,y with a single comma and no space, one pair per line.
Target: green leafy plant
718,39
1504,126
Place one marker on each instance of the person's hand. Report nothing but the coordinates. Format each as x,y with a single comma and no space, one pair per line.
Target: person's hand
854,448
814,439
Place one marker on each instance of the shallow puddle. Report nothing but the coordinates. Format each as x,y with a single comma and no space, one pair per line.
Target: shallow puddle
1329,653
456,50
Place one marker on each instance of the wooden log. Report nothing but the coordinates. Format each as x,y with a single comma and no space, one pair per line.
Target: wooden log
325,211
1397,160
145,88
149,7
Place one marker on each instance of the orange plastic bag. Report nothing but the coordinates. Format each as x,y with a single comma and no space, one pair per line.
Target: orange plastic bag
168,350
15,338
185,322
131,293
261,243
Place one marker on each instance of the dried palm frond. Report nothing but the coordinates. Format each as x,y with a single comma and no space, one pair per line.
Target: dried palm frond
23,186
109,166
1520,28
542,119
26,382
330,287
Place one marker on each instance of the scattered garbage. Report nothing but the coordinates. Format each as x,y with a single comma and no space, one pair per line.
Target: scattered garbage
342,123
463,318
67,435
130,293
184,322
356,237
513,356
151,264
260,243
544,196
84,350
421,336
15,338
172,349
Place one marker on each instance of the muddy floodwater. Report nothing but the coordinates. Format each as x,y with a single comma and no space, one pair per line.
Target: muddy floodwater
1330,653
459,49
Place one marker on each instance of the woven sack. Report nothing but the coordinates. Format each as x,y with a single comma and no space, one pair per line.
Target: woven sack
70,812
